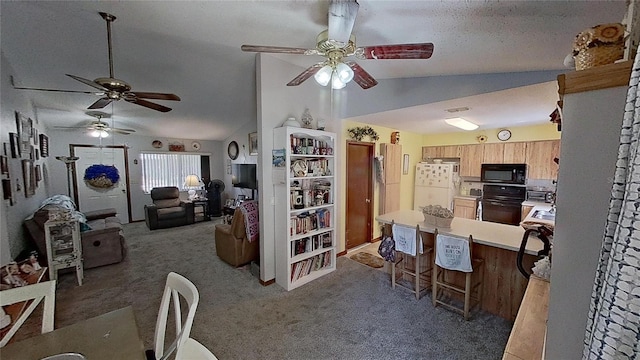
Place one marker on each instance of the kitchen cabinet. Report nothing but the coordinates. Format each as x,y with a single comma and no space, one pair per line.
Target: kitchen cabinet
392,165
471,157
539,158
526,209
464,208
493,153
515,152
444,151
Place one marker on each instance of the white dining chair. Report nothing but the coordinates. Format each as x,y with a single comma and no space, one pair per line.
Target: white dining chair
178,286
35,293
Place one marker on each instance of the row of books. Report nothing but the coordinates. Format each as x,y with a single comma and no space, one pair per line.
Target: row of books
311,243
306,266
307,146
310,221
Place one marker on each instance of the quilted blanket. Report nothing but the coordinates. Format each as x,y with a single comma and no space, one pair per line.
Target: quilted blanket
251,222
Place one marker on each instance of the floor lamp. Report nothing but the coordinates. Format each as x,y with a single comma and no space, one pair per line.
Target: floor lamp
68,160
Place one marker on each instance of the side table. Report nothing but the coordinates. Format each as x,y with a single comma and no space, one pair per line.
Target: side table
204,203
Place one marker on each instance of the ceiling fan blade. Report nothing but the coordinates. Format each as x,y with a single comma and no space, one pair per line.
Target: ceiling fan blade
102,102
149,104
360,76
309,72
342,16
88,82
398,51
159,96
122,131
279,50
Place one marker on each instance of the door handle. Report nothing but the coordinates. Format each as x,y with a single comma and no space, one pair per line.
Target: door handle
367,200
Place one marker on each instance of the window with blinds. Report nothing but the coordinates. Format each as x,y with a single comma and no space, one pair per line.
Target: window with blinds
164,169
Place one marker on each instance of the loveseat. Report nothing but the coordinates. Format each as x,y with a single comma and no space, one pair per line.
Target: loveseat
167,209
101,236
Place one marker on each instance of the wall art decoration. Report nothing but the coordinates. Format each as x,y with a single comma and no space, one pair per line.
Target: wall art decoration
24,126
38,174
6,190
176,146
253,143
44,145
29,178
15,145
4,165
5,148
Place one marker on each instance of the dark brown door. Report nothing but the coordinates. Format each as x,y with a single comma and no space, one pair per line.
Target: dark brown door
359,211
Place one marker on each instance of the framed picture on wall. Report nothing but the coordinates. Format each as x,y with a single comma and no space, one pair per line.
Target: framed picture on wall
38,173
29,178
24,126
15,145
6,190
44,145
253,143
4,165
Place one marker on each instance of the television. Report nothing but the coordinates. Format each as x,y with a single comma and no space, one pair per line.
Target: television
244,176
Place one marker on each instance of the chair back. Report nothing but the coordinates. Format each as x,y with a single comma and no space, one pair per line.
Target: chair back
453,252
37,292
163,197
176,286
237,224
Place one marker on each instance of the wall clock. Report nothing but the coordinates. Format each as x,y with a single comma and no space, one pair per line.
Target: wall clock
504,135
232,150
195,146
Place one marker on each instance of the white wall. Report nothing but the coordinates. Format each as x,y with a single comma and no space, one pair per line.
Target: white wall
60,140
12,241
591,126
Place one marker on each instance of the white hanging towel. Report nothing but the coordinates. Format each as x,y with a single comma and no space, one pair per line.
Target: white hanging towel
453,253
405,239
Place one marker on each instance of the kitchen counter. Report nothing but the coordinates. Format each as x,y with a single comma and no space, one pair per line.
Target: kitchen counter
529,219
535,203
469,197
492,234
497,244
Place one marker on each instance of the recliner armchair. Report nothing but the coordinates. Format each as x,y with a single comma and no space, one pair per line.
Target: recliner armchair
232,244
167,209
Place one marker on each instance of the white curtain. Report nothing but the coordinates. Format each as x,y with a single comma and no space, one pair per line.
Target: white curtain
162,169
613,326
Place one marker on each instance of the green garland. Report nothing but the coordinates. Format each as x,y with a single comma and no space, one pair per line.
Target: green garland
358,133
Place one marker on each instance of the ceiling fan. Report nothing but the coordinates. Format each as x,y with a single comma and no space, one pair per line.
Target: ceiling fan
112,89
99,128
337,43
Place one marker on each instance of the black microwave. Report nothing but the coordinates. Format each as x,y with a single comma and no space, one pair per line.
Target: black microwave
504,173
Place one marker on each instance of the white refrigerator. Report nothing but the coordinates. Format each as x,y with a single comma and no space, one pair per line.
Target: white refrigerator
435,184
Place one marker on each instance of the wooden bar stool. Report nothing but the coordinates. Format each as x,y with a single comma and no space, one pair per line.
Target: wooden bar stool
455,255
417,266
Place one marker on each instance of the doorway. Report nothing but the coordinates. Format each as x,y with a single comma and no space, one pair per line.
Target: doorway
359,211
89,198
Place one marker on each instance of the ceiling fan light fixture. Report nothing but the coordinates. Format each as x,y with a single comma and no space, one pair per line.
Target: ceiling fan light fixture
344,72
461,123
323,76
99,133
336,82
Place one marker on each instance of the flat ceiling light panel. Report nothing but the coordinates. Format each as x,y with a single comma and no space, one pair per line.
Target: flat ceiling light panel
461,123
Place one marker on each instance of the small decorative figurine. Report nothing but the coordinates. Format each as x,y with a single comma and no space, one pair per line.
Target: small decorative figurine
306,119
395,137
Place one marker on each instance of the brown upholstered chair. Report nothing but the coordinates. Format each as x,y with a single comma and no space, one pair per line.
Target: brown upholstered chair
167,209
232,244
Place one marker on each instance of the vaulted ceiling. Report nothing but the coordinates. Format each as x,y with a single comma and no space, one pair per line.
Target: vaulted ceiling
192,48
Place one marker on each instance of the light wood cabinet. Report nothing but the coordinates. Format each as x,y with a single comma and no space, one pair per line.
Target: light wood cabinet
392,165
444,151
515,152
526,209
471,157
464,208
493,153
539,158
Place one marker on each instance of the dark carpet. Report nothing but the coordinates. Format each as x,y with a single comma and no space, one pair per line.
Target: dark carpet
351,313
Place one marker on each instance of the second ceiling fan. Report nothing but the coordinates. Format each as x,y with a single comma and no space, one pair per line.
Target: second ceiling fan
112,89
337,43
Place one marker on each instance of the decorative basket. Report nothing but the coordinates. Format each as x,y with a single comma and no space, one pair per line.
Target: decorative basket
599,55
600,45
429,219
443,222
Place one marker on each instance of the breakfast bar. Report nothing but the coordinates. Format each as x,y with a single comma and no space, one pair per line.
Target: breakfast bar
497,244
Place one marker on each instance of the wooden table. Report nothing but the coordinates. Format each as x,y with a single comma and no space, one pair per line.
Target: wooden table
113,335
15,310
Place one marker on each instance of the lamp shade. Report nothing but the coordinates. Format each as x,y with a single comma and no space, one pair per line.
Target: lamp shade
192,181
323,76
344,72
99,134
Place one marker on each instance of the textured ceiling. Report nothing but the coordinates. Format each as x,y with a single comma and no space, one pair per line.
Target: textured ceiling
192,48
